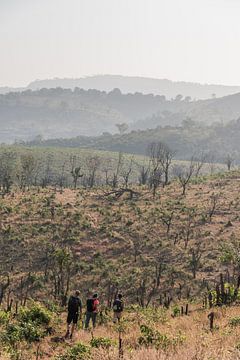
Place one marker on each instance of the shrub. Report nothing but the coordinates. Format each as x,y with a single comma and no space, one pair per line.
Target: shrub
31,332
4,317
176,311
151,337
12,334
36,313
101,342
235,321
77,352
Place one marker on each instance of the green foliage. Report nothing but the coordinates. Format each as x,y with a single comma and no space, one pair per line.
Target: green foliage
235,321
36,313
101,342
151,337
77,352
4,317
176,310
151,314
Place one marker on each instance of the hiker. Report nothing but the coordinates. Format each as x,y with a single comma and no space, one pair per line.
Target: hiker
117,308
74,309
92,310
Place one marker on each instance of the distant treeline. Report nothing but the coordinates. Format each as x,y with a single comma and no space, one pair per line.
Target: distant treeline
56,113
218,140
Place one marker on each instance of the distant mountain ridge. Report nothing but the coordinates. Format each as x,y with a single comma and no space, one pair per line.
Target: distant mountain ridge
133,84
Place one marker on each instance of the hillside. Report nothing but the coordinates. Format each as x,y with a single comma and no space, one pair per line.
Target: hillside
218,141
55,113
154,250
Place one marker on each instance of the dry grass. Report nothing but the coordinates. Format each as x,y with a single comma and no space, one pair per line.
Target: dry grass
199,343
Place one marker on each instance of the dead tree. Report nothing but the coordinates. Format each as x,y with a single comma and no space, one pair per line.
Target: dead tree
167,218
92,164
116,173
195,260
143,174
160,159
127,172
184,174
213,204
199,161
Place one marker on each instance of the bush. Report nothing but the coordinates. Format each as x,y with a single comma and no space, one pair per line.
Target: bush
77,352
235,321
24,331
101,342
35,314
4,317
12,334
31,332
150,337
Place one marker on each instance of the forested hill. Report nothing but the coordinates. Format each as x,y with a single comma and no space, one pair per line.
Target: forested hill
63,113
217,140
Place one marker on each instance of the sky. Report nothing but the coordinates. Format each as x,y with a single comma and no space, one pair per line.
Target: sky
189,40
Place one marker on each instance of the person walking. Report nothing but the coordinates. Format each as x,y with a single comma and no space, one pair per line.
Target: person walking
118,307
74,310
92,310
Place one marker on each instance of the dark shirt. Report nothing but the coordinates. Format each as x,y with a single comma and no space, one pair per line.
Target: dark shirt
74,304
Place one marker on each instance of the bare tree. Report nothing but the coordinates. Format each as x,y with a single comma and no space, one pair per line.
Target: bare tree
116,173
127,172
194,261
199,161
161,157
211,162
143,174
156,166
92,164
184,174
213,204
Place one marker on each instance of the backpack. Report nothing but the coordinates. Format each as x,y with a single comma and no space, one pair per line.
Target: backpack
90,305
118,305
73,304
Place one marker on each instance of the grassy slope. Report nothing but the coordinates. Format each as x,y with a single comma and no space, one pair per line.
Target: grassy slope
101,232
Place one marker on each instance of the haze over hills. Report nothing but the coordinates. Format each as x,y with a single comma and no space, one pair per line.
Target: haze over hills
56,113
132,84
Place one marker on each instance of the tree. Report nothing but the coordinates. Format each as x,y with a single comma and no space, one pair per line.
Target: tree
75,170
143,174
184,174
229,161
116,173
194,261
92,163
28,165
156,166
127,172
199,161
7,170
122,128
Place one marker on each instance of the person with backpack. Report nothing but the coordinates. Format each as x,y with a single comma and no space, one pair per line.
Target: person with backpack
74,309
117,308
92,310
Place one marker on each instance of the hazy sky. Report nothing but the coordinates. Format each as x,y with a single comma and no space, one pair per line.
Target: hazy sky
192,40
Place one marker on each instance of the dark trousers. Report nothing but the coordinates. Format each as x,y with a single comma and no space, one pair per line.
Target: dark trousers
89,316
